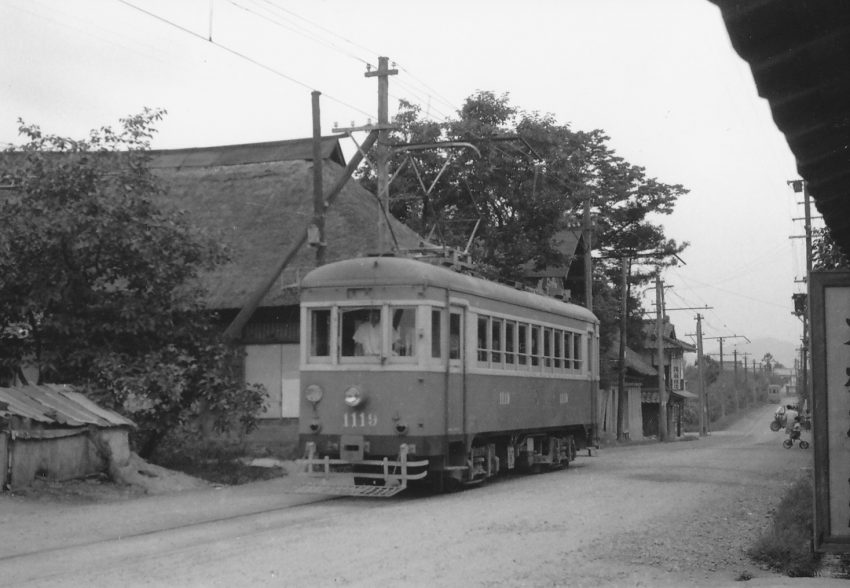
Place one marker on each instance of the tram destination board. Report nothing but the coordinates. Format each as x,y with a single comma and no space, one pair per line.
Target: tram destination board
830,355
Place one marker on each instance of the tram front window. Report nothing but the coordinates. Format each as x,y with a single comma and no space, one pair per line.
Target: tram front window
404,331
361,332
320,330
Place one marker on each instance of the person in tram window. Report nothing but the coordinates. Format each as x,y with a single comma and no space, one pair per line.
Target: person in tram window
367,336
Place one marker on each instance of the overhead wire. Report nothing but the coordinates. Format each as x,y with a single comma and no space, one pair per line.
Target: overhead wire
244,57
291,26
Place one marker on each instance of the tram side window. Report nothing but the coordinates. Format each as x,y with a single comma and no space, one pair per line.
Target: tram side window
510,343
361,332
403,331
568,350
455,340
547,347
535,345
522,332
320,332
496,340
436,333
556,352
483,337
577,352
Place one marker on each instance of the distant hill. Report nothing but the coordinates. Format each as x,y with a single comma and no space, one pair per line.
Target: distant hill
785,352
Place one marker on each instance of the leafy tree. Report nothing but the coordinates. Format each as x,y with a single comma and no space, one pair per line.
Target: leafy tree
826,254
98,283
527,178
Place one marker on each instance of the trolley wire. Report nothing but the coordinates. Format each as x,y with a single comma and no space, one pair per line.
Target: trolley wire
245,57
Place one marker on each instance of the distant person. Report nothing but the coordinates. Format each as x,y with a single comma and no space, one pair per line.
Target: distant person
791,416
367,336
795,429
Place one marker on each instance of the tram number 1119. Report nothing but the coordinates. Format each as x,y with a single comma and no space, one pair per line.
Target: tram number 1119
352,420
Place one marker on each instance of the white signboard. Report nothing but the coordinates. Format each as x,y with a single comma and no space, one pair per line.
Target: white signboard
830,356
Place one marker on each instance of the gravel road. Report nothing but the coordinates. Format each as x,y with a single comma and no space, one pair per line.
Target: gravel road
650,514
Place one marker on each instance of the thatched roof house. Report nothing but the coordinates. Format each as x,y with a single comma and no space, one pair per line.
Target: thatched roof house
258,198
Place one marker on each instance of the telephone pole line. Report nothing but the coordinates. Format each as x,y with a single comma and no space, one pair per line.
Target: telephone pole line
659,328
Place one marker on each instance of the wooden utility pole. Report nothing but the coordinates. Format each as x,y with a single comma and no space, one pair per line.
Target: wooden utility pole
588,258
735,380
703,417
659,345
383,149
235,327
318,193
622,396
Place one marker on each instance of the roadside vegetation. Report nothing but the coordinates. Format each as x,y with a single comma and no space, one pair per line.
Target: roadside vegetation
786,546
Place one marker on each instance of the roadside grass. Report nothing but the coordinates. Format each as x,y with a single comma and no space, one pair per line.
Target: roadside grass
217,462
786,546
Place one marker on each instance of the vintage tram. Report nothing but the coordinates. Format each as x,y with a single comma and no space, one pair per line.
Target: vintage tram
412,371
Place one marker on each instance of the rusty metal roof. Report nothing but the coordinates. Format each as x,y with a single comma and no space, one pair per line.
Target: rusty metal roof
57,405
799,53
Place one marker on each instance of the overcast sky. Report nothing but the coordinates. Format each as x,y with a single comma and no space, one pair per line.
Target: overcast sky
659,76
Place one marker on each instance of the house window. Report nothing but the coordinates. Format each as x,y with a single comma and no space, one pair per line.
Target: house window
676,377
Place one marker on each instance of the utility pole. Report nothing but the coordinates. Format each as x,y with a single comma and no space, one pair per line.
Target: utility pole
622,396
588,258
318,239
659,330
803,186
735,380
382,149
703,417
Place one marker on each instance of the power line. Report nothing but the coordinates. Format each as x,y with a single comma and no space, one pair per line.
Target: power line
245,57
300,30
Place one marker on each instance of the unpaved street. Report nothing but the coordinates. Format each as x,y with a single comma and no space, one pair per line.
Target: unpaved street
652,514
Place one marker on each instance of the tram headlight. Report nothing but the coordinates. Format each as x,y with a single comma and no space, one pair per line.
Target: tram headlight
313,393
354,396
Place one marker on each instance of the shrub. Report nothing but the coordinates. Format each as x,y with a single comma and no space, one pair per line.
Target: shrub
786,546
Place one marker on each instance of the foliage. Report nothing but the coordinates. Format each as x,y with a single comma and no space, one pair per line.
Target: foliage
186,450
785,547
525,181
98,283
826,254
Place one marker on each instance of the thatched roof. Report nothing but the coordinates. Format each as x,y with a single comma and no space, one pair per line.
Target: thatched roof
292,150
259,209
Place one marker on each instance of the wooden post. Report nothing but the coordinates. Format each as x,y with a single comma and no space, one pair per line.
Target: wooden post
702,400
622,396
235,327
383,149
318,193
659,330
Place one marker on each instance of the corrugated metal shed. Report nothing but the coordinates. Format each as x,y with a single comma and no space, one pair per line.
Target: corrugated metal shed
799,52
57,405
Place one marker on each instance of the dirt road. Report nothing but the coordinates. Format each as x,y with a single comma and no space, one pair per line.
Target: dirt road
672,514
